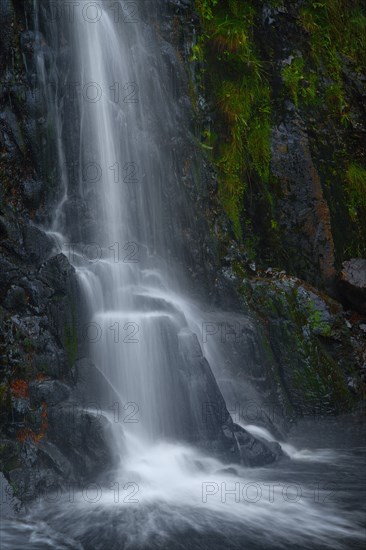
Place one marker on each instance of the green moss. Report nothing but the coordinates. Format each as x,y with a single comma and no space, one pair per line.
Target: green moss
321,384
293,74
205,7
236,70
315,378
301,83
356,191
241,96
316,323
336,25
336,28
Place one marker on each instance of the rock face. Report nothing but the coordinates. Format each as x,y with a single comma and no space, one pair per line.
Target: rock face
302,206
38,297
303,216
353,283
319,349
304,213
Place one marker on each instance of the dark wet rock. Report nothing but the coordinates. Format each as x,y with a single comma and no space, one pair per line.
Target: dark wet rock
254,452
202,391
218,433
37,294
20,405
49,391
3,228
37,244
309,336
180,4
56,273
8,273
51,360
29,40
10,230
32,192
31,350
29,325
12,134
79,437
353,283
7,34
62,465
73,451
9,502
75,209
305,217
91,385
35,480
38,291
15,298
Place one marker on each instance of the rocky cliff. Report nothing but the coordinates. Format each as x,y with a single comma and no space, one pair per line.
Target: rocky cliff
286,127
279,95
41,439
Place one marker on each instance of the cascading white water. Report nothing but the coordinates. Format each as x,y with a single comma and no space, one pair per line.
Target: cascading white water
125,126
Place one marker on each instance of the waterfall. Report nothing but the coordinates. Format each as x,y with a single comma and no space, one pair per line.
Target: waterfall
119,220
121,217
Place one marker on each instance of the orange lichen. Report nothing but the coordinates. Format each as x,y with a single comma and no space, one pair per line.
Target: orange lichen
20,388
44,423
27,433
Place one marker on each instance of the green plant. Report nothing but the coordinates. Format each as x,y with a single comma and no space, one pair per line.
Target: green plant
292,75
205,7
356,190
336,28
316,322
241,95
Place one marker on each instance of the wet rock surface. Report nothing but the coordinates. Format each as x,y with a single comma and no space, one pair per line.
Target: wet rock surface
353,283
38,295
305,217
318,346
217,433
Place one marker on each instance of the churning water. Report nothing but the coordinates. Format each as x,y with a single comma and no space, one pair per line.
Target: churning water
117,127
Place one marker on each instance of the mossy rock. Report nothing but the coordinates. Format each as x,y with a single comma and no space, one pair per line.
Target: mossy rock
310,341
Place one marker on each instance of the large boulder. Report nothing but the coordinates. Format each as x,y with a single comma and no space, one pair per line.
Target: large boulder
218,434
255,452
318,347
353,283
